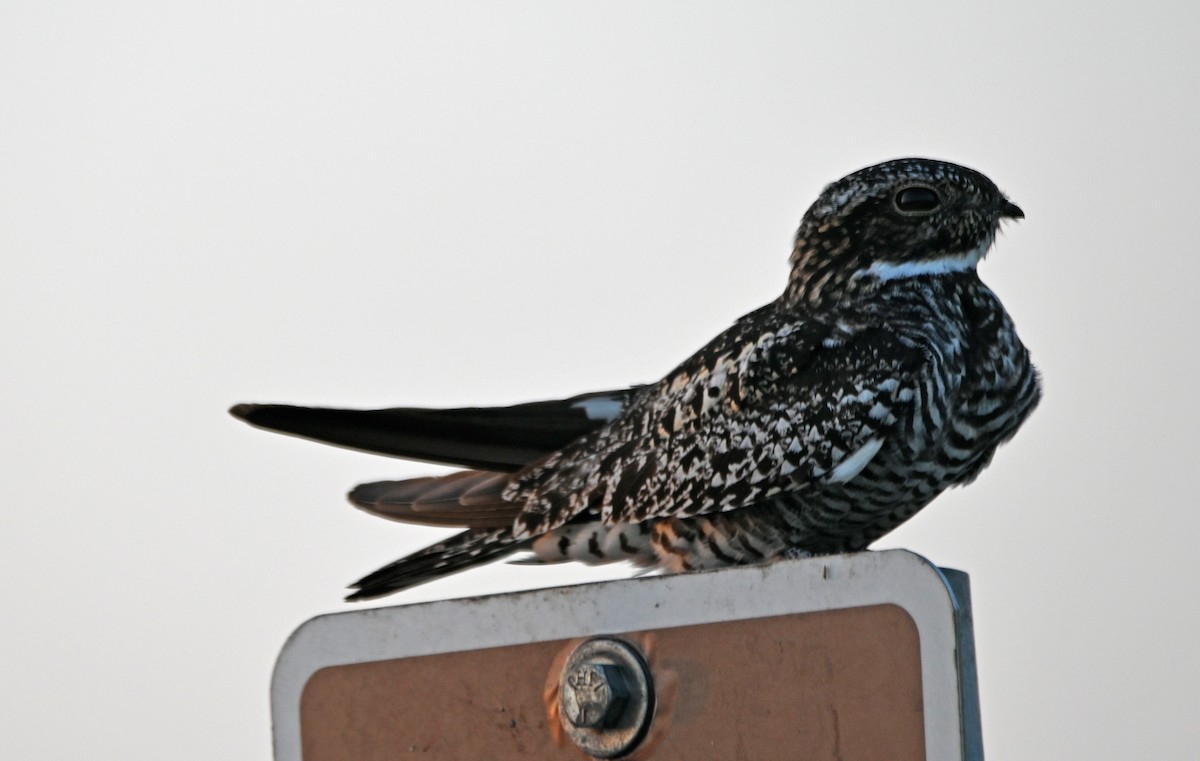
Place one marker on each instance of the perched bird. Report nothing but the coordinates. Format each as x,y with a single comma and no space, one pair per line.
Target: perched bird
886,373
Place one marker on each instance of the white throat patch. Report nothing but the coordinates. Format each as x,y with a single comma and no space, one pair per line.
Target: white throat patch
943,266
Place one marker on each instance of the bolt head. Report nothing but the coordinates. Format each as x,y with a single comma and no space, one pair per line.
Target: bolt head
606,697
594,695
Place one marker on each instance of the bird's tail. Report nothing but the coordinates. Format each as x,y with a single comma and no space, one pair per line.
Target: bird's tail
468,499
460,552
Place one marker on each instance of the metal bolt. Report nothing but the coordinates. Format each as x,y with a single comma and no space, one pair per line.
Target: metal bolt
594,695
606,697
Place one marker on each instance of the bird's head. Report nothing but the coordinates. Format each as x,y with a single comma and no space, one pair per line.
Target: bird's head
899,219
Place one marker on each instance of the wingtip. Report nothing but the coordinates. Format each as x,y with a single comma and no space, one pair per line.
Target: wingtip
243,411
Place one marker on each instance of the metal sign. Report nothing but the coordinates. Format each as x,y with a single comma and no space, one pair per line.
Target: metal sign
848,656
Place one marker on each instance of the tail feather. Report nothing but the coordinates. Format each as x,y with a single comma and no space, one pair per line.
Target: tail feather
467,499
460,552
493,442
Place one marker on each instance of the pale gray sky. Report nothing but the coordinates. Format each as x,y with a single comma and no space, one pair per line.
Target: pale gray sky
383,203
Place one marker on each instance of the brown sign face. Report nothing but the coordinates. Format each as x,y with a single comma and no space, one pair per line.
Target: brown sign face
827,685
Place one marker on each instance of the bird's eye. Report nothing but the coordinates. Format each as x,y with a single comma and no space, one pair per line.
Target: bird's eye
917,200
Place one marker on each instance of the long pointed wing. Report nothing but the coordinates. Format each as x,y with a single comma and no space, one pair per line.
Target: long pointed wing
488,438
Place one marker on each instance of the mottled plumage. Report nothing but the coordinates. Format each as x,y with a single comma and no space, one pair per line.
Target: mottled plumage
885,373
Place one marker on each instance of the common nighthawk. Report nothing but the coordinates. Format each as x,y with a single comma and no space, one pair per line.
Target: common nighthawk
885,373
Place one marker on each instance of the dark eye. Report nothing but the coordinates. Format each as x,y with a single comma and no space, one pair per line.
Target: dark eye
917,200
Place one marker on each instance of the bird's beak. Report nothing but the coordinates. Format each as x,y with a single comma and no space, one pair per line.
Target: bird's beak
1009,210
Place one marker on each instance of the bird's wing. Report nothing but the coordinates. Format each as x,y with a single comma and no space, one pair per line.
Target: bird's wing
775,404
490,438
